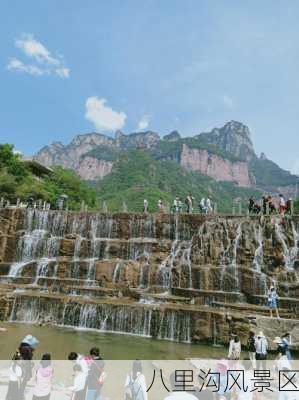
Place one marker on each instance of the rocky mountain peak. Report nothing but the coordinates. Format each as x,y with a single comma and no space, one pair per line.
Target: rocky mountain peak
236,128
172,136
137,140
118,135
91,139
233,137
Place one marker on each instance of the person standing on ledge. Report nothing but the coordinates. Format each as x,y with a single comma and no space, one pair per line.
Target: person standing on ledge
282,204
145,206
189,202
272,302
209,206
160,205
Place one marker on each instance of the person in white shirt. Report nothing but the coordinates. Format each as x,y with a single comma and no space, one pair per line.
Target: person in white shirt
208,206
234,351
79,386
160,205
282,204
189,202
202,205
176,205
135,385
261,350
15,374
145,206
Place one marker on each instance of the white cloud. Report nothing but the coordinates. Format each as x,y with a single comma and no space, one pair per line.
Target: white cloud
45,62
144,122
63,72
102,116
35,49
228,101
17,65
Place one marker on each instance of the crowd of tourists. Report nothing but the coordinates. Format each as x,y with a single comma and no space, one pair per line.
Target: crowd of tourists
88,379
266,205
89,375
258,349
269,205
179,206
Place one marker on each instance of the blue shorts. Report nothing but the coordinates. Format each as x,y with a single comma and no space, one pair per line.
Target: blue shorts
272,304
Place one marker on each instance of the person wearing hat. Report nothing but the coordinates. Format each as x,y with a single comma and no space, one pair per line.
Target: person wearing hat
261,350
26,350
281,360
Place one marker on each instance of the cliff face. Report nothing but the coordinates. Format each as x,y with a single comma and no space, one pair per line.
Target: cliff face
214,166
69,156
76,156
225,153
90,168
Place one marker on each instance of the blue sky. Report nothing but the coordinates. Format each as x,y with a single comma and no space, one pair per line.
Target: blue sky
70,67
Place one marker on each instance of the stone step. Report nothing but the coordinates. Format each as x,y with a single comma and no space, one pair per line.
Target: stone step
251,308
208,296
162,298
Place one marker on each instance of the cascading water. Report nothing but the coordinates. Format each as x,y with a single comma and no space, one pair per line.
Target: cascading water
171,324
36,243
41,270
228,260
234,265
175,326
145,269
180,254
165,268
187,262
258,259
103,271
289,254
117,272
259,252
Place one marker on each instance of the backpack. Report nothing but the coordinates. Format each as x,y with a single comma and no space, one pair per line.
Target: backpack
132,389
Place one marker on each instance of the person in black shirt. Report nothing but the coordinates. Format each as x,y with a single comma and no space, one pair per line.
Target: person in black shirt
251,348
96,375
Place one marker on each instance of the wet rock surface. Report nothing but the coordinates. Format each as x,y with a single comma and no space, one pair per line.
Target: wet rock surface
177,277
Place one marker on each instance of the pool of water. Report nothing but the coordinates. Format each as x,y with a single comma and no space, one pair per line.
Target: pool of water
61,341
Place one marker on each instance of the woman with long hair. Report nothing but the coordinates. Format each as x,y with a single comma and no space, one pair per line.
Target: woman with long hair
135,385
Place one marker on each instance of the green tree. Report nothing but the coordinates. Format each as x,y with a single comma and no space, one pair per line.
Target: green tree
12,162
